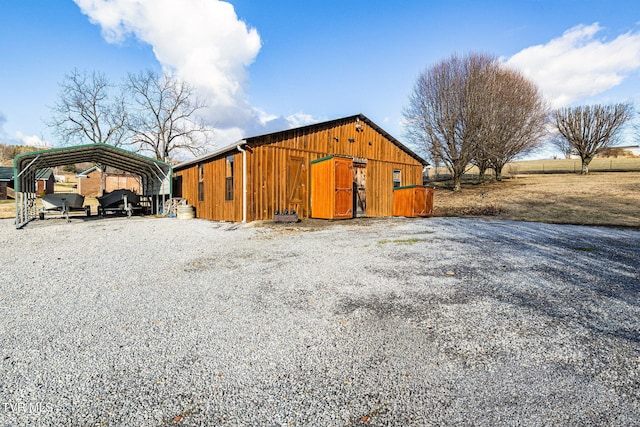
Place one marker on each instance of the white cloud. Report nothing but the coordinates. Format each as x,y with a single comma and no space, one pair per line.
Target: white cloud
32,141
578,65
207,45
19,138
204,41
300,119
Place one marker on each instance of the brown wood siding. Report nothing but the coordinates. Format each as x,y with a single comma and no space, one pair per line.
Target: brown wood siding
214,206
413,201
270,155
271,158
332,188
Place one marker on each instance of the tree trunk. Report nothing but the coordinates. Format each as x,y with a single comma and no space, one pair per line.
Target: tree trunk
481,171
498,171
585,165
457,186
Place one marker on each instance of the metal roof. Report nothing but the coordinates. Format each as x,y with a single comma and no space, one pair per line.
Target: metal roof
155,174
257,139
102,154
6,173
84,174
44,174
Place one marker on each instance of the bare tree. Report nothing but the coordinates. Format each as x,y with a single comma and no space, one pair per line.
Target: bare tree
588,129
437,117
89,110
507,116
164,115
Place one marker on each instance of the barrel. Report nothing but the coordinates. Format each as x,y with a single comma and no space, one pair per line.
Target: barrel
186,212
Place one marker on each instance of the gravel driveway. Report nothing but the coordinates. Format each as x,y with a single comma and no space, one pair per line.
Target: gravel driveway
154,322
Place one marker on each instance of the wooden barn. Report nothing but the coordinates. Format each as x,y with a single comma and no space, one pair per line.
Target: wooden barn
45,181
6,182
337,169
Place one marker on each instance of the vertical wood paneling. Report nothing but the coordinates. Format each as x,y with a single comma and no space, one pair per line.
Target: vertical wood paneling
267,161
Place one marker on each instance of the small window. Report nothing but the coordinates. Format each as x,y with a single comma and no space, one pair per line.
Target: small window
228,193
397,182
201,183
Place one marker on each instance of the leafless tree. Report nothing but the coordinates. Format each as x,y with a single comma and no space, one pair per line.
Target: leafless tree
436,117
164,115
474,110
89,109
588,129
507,116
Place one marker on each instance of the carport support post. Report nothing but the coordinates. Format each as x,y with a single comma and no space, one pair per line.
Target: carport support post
26,209
244,183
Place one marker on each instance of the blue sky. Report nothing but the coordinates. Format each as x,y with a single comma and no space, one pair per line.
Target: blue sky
268,65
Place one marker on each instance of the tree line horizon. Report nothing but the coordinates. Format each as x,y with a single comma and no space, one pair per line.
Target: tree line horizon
466,110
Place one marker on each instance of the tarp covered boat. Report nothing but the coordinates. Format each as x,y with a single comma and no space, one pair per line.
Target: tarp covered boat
116,198
63,202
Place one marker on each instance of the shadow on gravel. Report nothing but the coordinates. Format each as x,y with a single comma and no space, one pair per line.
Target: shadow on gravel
589,278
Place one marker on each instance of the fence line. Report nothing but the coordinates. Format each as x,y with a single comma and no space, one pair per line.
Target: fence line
622,164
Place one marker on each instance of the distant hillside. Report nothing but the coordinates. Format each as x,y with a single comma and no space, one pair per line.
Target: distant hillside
8,152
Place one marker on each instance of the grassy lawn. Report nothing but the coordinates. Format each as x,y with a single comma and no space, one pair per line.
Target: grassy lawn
7,209
611,198
620,164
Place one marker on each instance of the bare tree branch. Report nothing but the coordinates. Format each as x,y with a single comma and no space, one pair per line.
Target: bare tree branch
588,129
437,116
474,110
88,111
164,116
507,118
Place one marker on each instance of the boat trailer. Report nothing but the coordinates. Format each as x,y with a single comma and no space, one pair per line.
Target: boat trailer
64,211
125,208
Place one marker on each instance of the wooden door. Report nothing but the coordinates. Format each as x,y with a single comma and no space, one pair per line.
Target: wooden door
295,184
419,201
343,202
359,189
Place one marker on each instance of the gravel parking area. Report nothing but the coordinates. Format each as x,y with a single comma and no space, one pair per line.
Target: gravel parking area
381,322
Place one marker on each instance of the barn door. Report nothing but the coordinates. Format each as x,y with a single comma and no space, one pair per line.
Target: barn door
343,207
419,201
360,189
295,183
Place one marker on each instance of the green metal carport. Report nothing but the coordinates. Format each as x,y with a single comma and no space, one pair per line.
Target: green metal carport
155,174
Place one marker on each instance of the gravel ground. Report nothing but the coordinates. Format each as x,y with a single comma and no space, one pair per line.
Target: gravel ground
157,322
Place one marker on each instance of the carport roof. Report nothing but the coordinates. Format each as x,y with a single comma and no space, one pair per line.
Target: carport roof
44,174
155,175
102,154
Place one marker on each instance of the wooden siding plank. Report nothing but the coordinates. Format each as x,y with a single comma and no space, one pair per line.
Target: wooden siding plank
267,165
